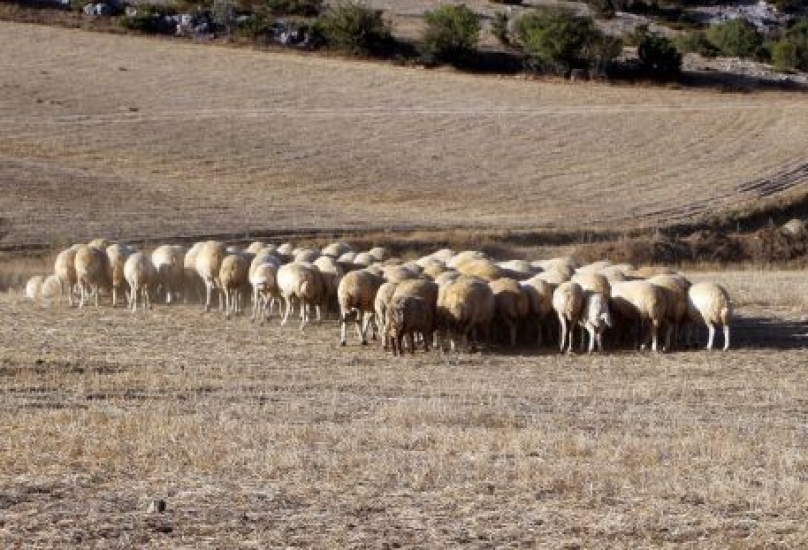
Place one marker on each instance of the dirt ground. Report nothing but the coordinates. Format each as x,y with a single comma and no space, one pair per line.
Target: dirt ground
267,437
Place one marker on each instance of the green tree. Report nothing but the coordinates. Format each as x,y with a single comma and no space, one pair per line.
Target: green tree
451,33
557,39
658,55
737,38
791,52
354,28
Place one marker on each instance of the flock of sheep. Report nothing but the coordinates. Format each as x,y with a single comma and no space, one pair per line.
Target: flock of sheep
445,298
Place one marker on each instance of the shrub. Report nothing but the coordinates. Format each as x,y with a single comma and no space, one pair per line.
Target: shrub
257,26
557,40
791,51
737,38
658,56
303,8
355,28
451,33
696,42
508,2
499,27
603,8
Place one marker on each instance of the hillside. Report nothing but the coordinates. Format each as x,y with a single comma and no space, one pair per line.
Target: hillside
134,137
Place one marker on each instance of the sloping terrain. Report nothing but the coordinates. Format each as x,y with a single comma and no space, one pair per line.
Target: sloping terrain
131,137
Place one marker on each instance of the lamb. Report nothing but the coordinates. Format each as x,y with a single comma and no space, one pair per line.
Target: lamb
568,301
65,270
169,261
300,282
511,304
407,315
117,255
141,275
596,318
264,281
208,263
234,280
92,272
465,305
641,302
33,287
709,303
356,295
51,288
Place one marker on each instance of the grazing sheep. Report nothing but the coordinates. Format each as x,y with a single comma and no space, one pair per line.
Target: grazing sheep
169,261
675,288
92,272
447,277
332,274
141,275
462,257
594,267
510,303
642,303
300,282
264,281
356,295
428,291
208,263
33,287
379,253
100,244
335,250
51,288
117,254
648,271
364,259
346,261
407,315
519,270
192,283
398,273
255,246
710,304
465,305
380,304
596,317
553,277
593,282
308,255
540,298
65,270
234,280
284,252
486,270
568,301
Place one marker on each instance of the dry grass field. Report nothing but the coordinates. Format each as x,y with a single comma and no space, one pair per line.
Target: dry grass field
131,137
265,437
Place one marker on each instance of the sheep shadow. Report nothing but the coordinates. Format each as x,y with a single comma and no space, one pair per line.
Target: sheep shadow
767,332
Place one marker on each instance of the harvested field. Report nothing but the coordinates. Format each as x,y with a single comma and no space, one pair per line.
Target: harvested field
264,437
131,137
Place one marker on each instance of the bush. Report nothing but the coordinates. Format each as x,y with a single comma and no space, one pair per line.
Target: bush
257,26
791,52
508,2
737,38
658,56
499,27
354,28
303,8
603,8
451,33
557,40
696,42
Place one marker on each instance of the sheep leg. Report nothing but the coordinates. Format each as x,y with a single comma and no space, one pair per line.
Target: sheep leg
711,337
563,335
654,336
599,336
146,299
343,322
208,295
362,322
256,304
287,300
591,331
726,337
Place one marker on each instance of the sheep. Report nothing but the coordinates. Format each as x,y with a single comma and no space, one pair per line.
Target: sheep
462,257
519,270
568,301
117,254
648,271
92,272
482,269
101,244
407,315
540,298
33,287
356,295
169,261
300,282
284,252
709,303
191,282
596,317
594,267
447,277
255,246
465,305
332,274
335,250
141,275
425,289
364,259
433,269
675,288
264,282
383,296
444,254
398,273
379,253
640,302
553,277
65,270
305,255
51,288
234,280
208,263
564,265
346,261
593,282
511,304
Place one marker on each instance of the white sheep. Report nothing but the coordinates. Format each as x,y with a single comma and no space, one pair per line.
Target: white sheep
65,270
710,304
408,315
512,305
192,284
234,280
332,274
675,288
596,317
568,301
264,281
383,296
51,288
540,298
209,260
93,272
141,275
465,305
356,295
642,303
117,254
169,261
33,287
300,282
